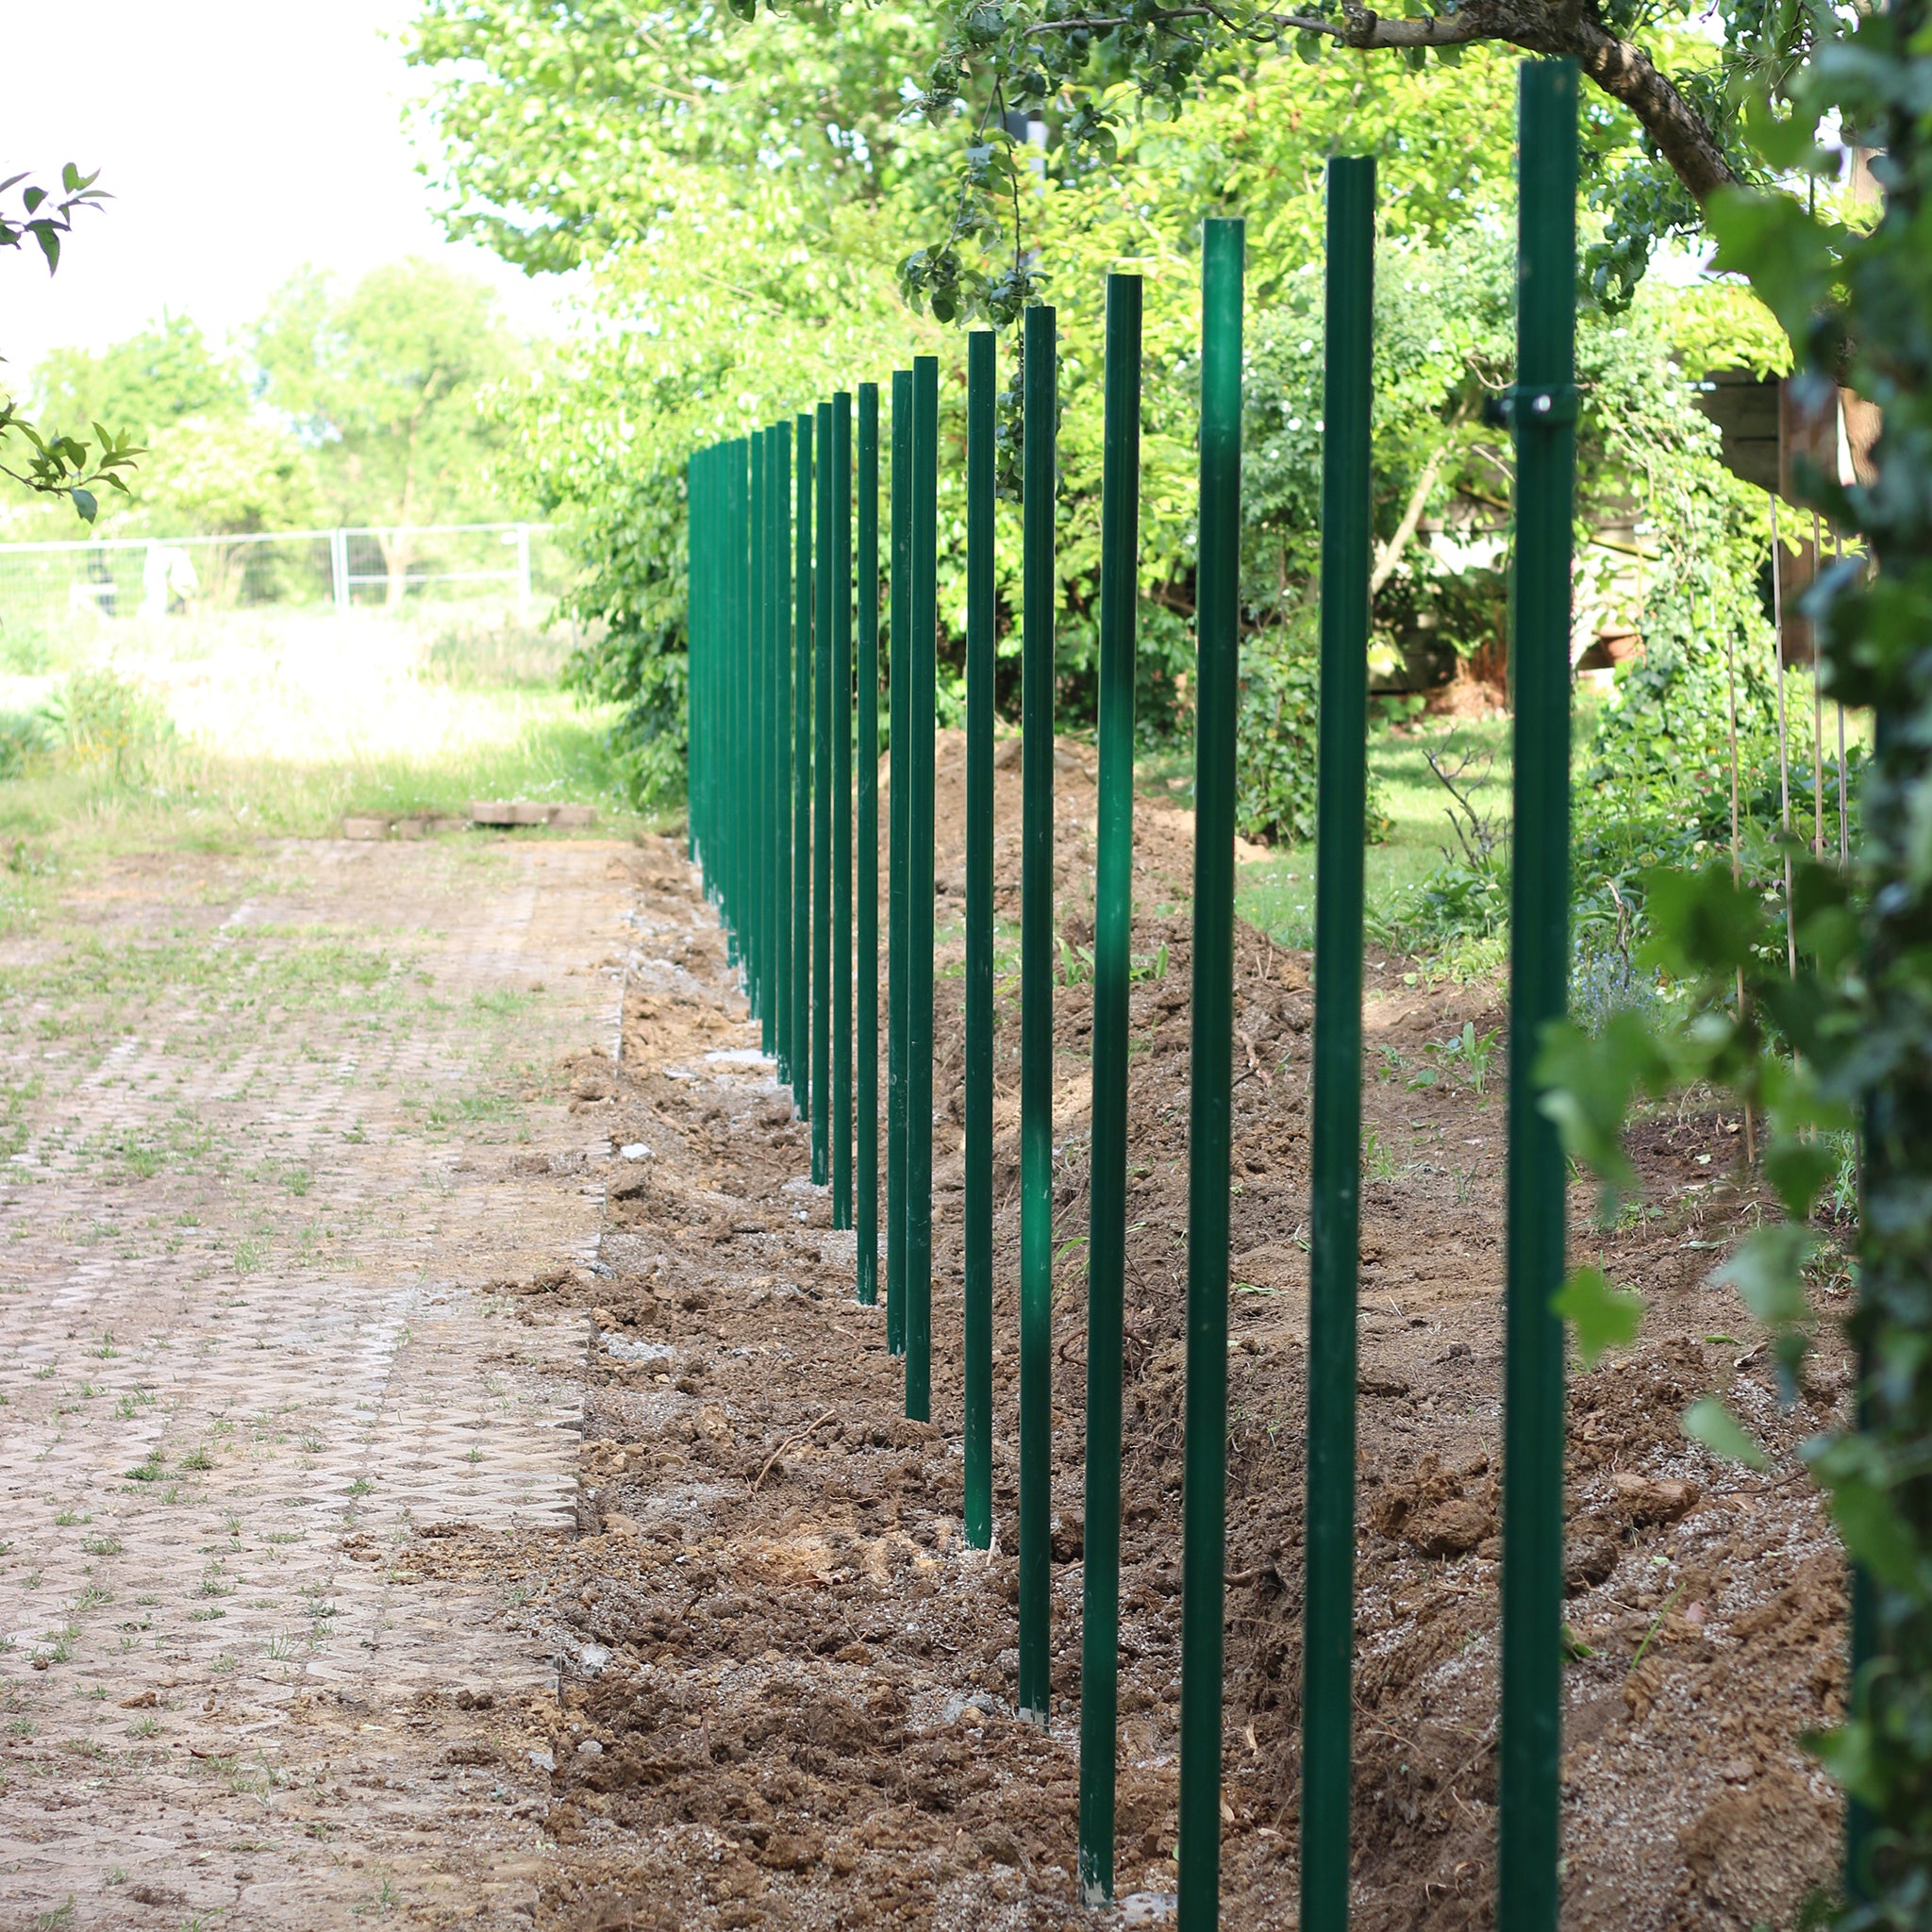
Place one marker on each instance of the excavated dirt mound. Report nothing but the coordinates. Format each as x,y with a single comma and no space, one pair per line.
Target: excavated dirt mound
788,1689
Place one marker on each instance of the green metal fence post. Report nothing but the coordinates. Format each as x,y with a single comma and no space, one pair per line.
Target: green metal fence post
1112,941
868,836
822,764
982,379
758,795
841,514
1039,591
736,535
1543,415
779,462
801,780
693,657
921,638
898,909
1217,686
1335,1133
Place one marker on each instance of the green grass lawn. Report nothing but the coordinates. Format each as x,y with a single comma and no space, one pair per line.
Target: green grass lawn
214,731
1277,894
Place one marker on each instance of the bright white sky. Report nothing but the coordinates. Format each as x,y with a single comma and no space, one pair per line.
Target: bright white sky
242,139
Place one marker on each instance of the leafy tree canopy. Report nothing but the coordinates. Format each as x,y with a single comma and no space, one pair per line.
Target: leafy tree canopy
167,372
57,464
384,384
744,192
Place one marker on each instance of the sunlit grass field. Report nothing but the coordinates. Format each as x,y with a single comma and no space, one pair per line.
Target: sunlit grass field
1277,894
210,730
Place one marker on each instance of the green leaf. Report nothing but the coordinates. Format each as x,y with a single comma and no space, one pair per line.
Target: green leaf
1710,1423
1700,922
1789,256
1798,1169
1858,1474
1785,143
1846,1752
86,503
1604,1317
1587,1082
1311,47
1768,1271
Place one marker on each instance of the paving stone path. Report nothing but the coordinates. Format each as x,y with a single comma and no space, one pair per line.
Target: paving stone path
282,1133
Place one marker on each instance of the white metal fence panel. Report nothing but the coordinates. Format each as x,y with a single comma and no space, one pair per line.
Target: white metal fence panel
44,586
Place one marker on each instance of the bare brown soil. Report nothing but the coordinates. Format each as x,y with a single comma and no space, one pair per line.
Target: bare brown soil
789,1699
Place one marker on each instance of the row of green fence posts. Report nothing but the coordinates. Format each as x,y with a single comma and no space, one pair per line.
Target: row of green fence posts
771,780
801,654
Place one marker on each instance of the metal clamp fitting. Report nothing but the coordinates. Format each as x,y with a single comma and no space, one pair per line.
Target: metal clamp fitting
1544,407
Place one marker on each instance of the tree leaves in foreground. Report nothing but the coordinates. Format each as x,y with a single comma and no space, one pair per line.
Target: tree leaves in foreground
1844,1041
58,464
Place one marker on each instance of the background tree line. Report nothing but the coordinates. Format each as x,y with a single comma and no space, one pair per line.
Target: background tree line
756,204
368,406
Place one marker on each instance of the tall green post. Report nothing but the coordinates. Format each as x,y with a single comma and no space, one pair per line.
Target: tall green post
1204,1507
1040,347
898,836
738,471
778,464
801,780
868,836
841,564
1543,418
1335,1135
758,793
922,632
694,654
1112,939
822,765
982,379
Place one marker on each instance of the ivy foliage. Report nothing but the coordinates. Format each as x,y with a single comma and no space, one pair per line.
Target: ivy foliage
1844,1041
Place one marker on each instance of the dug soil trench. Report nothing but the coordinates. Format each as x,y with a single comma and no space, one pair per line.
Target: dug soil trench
787,1696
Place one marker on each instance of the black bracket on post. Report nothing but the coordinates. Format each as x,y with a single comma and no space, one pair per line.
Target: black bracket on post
1539,407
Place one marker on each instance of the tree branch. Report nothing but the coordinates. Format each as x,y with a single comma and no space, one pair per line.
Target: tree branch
1389,554
1622,70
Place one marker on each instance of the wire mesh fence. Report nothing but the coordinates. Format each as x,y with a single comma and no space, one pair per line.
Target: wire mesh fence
45,587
